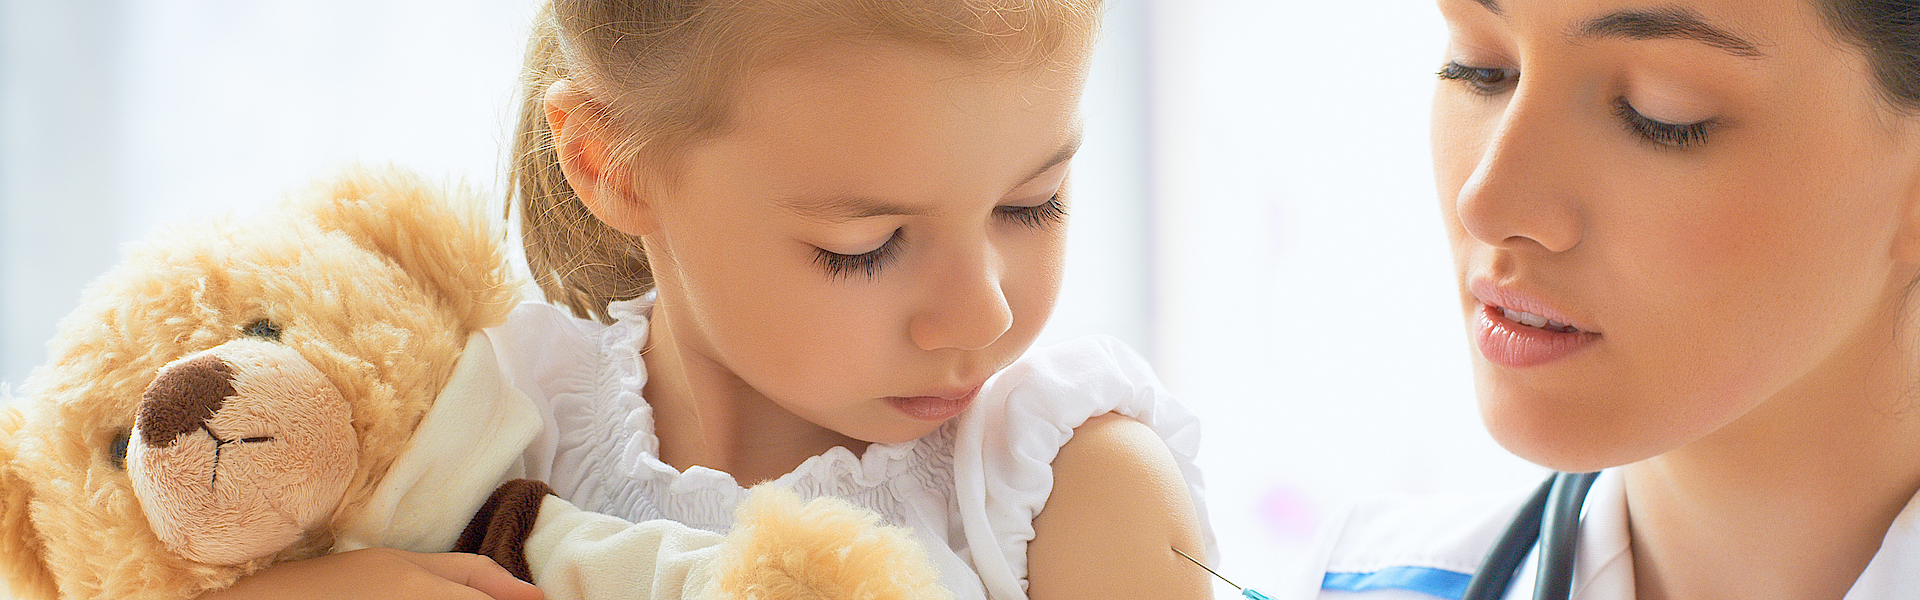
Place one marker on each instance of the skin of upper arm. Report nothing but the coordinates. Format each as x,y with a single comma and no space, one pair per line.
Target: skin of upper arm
1118,507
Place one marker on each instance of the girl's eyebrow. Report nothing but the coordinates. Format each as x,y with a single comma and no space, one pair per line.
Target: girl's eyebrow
845,207
1660,23
842,208
1064,154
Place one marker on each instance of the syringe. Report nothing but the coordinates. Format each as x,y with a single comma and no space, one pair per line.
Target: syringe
1249,593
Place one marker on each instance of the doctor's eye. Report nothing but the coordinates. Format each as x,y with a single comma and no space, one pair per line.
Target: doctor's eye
1673,135
1481,80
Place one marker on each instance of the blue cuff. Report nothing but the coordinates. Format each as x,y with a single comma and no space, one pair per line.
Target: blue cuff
1433,582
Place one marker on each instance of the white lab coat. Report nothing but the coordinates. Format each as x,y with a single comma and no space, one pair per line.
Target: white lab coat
1427,548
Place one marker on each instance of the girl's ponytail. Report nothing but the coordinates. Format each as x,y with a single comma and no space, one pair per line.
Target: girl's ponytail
578,262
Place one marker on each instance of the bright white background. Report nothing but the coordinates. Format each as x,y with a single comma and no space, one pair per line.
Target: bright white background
1254,206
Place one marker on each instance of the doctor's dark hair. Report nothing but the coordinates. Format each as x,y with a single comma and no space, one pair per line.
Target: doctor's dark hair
662,74
1889,32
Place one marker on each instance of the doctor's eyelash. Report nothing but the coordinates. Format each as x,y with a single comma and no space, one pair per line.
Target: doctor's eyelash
1481,80
1674,135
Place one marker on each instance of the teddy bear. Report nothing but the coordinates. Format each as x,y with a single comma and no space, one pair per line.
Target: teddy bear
242,392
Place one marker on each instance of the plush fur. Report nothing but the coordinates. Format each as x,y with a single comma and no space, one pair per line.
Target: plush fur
823,549
373,278
255,378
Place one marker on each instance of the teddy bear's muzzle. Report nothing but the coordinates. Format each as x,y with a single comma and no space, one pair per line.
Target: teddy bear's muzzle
239,450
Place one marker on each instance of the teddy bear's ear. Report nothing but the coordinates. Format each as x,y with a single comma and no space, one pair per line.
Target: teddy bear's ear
436,234
21,554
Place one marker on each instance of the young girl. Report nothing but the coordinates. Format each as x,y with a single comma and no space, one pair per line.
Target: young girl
1688,236
813,232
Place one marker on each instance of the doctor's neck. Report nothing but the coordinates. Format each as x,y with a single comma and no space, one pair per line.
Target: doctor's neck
1792,500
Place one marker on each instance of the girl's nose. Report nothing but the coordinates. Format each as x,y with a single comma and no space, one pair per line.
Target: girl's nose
966,310
1524,191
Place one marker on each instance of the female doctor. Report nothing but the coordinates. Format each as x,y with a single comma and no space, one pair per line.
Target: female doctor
1687,235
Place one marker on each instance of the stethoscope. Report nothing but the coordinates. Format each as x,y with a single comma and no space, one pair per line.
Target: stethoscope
1552,519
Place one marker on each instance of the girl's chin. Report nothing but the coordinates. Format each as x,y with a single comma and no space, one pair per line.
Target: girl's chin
894,433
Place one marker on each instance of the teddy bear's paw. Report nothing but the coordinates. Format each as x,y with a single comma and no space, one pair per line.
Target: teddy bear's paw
825,549
239,450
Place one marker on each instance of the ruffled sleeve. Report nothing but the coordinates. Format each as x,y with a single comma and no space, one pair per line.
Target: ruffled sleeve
555,360
1005,445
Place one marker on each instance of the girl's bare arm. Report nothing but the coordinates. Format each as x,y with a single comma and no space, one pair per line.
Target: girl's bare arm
383,573
1118,508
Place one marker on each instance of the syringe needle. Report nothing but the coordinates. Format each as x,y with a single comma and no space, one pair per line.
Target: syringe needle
1209,570
1249,593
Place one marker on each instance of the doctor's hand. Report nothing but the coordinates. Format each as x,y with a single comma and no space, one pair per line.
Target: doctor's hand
383,573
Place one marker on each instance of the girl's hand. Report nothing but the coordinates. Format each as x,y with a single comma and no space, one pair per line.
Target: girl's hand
383,573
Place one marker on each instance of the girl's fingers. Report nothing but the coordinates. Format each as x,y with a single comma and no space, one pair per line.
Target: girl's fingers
477,572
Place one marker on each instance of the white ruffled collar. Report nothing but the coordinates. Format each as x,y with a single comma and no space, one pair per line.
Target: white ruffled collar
880,464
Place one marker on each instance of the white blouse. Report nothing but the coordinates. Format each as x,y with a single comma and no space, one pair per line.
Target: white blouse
969,491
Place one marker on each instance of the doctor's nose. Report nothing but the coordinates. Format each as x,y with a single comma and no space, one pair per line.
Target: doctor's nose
967,311
1523,191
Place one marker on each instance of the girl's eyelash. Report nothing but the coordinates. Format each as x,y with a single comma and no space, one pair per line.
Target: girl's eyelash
869,264
1051,212
839,266
1482,80
1673,135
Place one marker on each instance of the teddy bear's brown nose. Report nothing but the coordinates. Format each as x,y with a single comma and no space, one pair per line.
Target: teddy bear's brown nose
182,399
239,451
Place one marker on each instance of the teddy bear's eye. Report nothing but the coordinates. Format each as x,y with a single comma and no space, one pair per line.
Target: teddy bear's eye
263,329
118,451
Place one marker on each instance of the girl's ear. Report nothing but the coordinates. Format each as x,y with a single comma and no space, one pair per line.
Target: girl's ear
581,126
21,556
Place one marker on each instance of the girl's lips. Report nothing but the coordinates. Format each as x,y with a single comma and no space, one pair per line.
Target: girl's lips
1515,345
934,408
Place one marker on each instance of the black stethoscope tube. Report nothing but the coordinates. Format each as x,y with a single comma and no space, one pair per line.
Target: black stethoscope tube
1552,517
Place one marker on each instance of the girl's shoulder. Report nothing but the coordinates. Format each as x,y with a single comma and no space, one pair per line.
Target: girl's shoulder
1033,405
548,352
1005,445
567,366
534,328
1070,382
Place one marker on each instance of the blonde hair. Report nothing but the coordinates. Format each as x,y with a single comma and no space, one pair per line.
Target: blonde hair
664,72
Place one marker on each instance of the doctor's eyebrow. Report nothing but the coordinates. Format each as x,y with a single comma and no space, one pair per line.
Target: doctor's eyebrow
1667,23
1662,23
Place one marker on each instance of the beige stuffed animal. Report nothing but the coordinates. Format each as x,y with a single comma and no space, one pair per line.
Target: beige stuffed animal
234,388
238,393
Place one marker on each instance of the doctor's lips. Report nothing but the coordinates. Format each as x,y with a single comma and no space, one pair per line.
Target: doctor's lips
1517,331
1533,320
